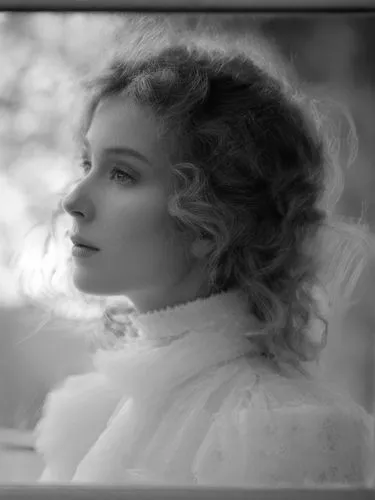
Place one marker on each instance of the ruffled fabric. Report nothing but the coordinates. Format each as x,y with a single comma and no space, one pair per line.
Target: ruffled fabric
191,401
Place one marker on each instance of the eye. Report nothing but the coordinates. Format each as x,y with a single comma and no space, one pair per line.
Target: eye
121,176
116,174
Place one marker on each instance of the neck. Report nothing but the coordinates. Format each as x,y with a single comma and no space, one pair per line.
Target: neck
158,298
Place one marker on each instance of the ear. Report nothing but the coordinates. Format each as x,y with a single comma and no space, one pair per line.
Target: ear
200,248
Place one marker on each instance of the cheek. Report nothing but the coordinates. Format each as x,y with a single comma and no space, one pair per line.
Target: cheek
149,245
144,219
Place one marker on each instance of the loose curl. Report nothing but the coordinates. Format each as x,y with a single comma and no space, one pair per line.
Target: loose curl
255,170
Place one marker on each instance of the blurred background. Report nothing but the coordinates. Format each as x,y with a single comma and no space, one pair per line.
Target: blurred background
42,58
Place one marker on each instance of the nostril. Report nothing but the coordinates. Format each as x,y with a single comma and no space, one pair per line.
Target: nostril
77,213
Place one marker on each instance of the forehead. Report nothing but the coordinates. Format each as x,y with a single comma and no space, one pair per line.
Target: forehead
120,122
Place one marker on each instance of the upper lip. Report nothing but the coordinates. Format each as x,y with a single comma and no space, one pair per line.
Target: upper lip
77,240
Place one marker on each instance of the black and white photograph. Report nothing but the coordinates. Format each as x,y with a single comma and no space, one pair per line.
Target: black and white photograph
187,250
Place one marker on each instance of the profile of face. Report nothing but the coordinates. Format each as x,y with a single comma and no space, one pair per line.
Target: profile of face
120,207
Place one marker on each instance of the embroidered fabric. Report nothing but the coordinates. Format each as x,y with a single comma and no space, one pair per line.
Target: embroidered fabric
191,401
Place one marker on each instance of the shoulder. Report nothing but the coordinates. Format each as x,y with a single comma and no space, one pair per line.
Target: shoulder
298,429
264,384
290,394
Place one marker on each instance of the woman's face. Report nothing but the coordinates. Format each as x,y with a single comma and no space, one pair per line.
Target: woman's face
120,207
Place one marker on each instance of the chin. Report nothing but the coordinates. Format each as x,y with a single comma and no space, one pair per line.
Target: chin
85,287
91,286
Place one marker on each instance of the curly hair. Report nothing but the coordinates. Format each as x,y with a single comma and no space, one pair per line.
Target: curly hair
255,170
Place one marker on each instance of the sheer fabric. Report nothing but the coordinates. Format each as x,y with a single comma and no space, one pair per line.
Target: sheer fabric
192,401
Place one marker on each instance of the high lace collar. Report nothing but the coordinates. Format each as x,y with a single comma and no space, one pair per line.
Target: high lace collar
176,343
214,313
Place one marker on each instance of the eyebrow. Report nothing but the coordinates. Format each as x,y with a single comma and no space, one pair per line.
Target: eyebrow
121,151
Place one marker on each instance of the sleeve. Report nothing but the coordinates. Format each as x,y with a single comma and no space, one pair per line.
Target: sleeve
74,414
296,446
47,476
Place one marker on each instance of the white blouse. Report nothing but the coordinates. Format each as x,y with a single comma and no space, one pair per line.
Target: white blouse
191,401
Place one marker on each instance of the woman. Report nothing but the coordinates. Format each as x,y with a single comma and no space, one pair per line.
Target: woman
204,201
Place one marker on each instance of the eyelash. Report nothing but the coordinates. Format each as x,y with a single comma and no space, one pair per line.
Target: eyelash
86,166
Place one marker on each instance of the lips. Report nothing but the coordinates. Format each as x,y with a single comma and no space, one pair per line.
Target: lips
81,242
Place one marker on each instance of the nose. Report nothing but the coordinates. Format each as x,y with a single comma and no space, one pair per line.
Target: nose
78,204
